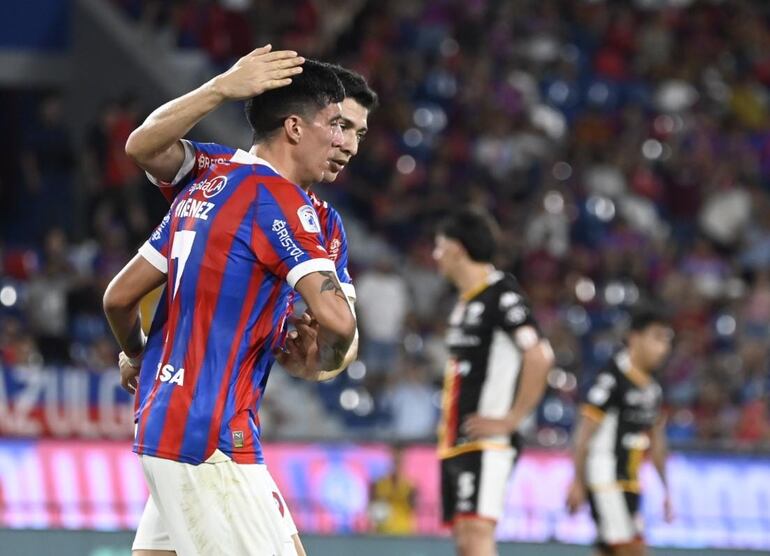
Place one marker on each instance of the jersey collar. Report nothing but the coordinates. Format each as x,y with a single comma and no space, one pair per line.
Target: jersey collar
243,157
493,277
639,378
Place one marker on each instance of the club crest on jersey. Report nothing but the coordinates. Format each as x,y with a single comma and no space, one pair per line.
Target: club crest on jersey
214,186
309,219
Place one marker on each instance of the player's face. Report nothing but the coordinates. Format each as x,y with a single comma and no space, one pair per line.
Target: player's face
321,139
445,252
653,344
354,128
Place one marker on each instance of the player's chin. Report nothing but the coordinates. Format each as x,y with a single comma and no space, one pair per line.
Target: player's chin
331,176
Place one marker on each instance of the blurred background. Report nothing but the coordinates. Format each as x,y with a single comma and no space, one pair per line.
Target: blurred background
623,146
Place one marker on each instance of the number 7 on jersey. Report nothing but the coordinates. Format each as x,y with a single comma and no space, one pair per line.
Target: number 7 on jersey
181,246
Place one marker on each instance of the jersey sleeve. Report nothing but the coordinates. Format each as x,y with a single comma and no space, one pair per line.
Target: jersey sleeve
287,236
337,245
514,315
155,249
600,396
197,159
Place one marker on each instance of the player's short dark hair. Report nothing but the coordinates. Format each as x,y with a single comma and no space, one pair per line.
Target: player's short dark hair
356,87
310,91
475,229
646,315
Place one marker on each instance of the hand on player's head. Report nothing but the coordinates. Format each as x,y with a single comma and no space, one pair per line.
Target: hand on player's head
259,71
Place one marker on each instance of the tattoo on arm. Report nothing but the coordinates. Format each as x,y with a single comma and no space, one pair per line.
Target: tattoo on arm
332,284
332,355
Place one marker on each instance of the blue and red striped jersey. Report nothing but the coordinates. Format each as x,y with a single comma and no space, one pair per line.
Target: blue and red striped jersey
234,243
198,158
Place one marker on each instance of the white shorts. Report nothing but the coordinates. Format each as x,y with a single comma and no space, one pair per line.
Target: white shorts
216,508
617,516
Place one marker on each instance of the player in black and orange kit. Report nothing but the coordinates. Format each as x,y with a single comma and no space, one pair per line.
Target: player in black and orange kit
495,378
621,420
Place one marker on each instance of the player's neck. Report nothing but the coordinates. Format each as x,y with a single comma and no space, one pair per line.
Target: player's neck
254,150
472,276
280,159
634,360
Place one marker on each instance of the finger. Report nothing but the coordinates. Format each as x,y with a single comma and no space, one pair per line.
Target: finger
294,348
261,50
124,384
306,328
283,64
308,334
280,356
279,55
311,356
276,84
277,75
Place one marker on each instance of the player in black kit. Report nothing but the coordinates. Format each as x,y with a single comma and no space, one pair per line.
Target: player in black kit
621,420
495,377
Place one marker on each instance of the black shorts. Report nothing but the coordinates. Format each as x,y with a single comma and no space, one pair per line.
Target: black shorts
617,517
473,484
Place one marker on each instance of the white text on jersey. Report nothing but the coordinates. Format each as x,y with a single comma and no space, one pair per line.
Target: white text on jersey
194,209
167,373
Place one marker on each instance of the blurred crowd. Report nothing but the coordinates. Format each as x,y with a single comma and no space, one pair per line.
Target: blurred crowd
622,146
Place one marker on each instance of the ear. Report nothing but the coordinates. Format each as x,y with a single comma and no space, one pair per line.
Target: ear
456,249
292,127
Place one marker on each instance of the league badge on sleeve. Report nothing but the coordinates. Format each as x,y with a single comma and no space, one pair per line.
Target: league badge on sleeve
309,219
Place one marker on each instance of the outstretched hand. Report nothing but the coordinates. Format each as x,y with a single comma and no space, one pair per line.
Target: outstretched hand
259,71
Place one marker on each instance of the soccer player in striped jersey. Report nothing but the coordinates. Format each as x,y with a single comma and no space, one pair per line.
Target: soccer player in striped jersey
232,246
495,377
359,101
621,420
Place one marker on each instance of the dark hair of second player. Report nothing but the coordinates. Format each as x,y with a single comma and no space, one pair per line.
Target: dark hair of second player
646,315
475,229
356,87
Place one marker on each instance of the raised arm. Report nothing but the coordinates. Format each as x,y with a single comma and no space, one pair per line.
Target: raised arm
155,145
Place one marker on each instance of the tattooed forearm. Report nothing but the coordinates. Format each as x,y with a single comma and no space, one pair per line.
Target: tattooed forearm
331,284
332,354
